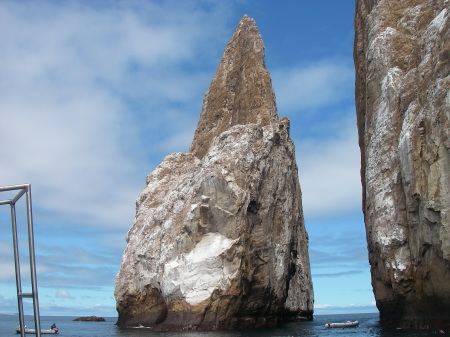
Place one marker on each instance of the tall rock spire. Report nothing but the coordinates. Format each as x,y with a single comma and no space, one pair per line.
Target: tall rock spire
241,90
218,240
403,110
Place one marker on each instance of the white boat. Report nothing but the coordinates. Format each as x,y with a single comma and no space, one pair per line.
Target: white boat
43,332
347,324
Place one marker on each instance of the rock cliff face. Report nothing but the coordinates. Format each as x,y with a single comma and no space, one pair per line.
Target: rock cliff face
218,239
402,60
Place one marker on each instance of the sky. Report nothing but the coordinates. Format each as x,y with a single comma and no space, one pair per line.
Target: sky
94,94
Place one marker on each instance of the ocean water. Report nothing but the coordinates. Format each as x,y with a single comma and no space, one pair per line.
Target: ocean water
369,326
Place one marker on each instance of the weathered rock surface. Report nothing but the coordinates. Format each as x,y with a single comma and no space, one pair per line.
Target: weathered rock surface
402,60
218,239
241,91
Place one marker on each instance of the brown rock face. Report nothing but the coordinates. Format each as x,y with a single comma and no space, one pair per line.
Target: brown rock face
240,92
218,240
402,60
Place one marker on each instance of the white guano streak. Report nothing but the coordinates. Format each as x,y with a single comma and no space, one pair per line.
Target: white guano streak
197,274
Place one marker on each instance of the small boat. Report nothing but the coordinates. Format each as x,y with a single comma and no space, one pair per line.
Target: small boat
343,325
43,332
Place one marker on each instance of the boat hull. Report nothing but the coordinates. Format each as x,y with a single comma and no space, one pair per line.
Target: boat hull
342,325
43,332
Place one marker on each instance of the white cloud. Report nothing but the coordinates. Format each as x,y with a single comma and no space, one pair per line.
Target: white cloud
62,294
318,96
69,72
347,306
7,274
312,86
51,309
329,171
89,94
341,309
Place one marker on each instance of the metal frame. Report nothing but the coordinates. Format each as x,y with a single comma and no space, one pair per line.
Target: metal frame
24,189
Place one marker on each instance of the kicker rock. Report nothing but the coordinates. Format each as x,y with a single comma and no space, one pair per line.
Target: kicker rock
218,239
402,60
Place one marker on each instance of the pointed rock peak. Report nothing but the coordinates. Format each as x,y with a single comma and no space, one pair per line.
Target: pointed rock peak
246,20
241,90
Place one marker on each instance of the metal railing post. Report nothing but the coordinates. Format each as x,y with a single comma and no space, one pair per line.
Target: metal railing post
34,289
24,189
17,269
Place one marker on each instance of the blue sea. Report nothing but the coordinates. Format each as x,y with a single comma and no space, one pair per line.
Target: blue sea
369,326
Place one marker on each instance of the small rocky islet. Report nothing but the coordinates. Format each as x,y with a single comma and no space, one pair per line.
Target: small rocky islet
89,319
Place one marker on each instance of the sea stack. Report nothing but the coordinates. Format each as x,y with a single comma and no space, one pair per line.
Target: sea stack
219,241
402,60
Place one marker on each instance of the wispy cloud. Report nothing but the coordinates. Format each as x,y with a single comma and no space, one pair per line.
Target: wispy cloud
340,249
315,95
322,309
8,304
94,94
51,309
69,74
322,306
62,294
312,86
342,273
59,274
329,171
